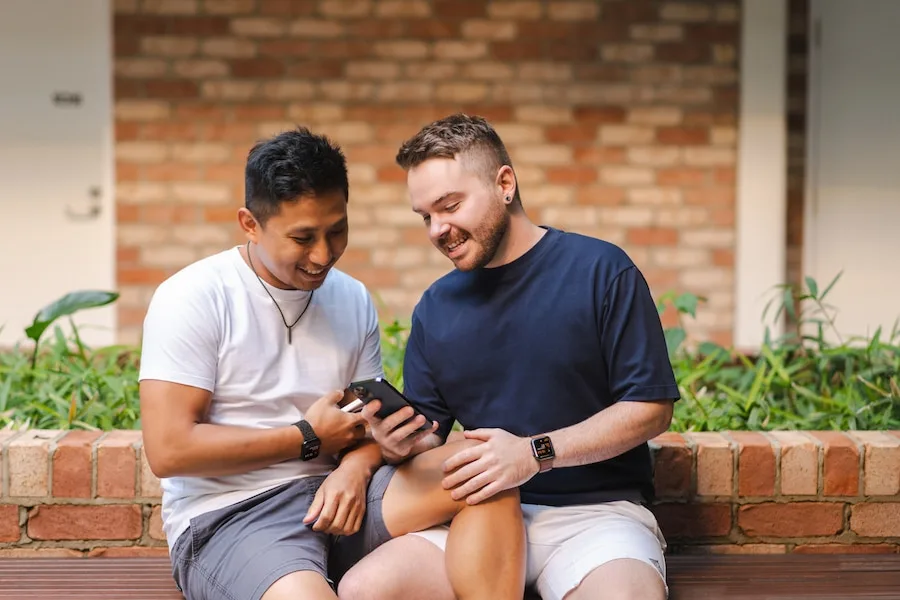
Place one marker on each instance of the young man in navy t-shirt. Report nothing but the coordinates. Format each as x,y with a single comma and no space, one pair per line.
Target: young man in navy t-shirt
547,347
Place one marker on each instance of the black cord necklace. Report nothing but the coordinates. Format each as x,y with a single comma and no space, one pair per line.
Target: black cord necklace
290,328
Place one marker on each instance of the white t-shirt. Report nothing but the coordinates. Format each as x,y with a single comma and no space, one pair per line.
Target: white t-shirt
212,326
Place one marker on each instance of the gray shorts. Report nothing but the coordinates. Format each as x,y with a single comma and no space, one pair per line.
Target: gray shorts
238,552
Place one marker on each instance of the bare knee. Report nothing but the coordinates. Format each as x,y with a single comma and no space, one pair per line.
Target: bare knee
402,568
621,579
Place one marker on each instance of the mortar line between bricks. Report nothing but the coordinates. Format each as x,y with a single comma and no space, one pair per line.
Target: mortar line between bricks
695,465
776,450
820,460
32,502
861,449
4,462
95,459
735,467
138,471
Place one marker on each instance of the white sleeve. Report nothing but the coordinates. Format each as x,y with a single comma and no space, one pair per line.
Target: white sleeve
181,336
369,364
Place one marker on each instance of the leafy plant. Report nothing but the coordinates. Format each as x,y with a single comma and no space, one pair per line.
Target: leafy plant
799,380
62,383
65,307
393,348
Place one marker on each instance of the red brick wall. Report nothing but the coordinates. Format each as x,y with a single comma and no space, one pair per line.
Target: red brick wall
620,116
86,493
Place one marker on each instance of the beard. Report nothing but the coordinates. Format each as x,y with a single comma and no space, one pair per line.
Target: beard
485,238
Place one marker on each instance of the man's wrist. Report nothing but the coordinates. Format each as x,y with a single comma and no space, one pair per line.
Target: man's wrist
543,452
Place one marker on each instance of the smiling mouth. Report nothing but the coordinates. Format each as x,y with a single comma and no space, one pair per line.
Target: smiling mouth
313,274
451,248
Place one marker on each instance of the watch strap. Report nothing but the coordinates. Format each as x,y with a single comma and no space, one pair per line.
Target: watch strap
311,442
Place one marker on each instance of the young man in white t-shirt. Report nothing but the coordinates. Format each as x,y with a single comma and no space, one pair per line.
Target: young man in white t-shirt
245,356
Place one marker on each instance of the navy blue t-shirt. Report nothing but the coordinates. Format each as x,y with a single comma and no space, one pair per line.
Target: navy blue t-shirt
539,344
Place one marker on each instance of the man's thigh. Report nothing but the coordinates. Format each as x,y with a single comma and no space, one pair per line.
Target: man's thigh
400,499
238,552
567,544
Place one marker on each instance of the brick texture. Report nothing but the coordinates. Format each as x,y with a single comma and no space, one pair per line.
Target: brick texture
756,464
715,493
840,463
101,522
620,118
116,464
72,465
800,519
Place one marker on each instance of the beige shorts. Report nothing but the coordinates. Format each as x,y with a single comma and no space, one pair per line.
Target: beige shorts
566,543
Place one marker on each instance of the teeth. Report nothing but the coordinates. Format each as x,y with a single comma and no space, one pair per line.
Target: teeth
313,273
454,245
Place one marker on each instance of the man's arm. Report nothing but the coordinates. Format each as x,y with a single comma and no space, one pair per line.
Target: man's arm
611,432
179,443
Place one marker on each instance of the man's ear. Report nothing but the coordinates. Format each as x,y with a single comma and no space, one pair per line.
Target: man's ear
506,181
249,224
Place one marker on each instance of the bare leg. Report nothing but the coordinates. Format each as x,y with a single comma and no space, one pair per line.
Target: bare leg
621,579
485,555
300,584
405,568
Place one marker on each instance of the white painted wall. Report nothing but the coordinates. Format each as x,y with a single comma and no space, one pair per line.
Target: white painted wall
56,160
762,163
852,219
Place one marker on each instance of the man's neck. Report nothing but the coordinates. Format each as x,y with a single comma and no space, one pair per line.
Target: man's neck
521,237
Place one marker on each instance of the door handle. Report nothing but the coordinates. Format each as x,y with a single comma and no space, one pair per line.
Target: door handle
94,208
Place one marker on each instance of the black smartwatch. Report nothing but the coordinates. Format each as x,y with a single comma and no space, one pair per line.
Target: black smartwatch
311,442
542,449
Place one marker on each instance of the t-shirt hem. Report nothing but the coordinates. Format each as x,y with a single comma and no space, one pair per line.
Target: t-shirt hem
180,378
651,393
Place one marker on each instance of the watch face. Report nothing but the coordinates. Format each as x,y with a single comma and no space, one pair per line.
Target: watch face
543,448
310,450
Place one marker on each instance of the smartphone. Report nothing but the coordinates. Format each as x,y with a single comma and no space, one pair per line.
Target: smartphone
390,397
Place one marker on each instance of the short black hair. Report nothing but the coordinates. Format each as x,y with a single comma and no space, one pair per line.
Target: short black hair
290,165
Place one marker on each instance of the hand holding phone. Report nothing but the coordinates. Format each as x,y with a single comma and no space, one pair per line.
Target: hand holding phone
397,434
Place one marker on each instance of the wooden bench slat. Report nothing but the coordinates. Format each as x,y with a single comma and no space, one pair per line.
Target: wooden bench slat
697,577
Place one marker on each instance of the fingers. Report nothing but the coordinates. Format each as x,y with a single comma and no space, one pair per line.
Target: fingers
463,457
342,513
472,486
326,515
485,493
479,434
463,474
368,412
332,397
316,507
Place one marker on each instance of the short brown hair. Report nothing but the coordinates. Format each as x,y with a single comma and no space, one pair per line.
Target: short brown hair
458,134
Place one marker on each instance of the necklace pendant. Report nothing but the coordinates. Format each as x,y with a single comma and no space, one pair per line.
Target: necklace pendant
290,336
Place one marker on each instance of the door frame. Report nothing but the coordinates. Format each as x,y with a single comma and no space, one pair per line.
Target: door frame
761,185
813,94
108,163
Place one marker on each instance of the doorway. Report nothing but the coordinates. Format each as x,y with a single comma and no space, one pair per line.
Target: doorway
56,161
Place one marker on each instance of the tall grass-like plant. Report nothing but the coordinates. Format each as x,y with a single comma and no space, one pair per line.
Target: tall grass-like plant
62,383
799,380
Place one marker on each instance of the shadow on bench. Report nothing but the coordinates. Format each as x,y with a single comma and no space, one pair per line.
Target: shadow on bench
708,577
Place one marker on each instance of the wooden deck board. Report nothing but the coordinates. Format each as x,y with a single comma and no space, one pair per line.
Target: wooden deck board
733,577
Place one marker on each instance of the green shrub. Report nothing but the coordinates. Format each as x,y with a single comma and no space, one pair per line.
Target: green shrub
800,380
62,383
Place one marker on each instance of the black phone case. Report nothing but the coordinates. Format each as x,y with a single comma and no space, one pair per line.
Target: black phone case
390,397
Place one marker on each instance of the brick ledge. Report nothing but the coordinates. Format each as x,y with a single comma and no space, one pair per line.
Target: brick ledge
78,493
